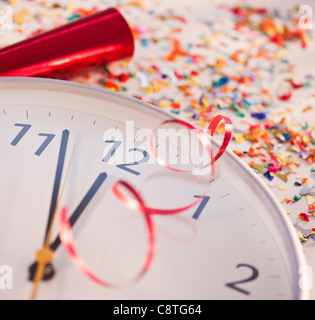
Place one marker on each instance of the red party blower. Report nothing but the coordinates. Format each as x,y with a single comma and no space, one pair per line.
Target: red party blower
99,38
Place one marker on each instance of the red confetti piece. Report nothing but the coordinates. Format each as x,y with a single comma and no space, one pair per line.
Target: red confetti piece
288,200
304,217
286,96
296,85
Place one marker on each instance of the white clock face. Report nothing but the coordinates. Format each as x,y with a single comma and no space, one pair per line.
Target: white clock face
234,244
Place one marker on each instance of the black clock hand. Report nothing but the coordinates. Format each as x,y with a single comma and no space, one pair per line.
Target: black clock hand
49,270
45,255
83,204
56,187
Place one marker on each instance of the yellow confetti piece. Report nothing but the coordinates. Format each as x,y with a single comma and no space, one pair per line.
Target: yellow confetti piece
284,177
111,88
310,200
85,82
150,70
156,86
192,82
20,17
149,90
280,29
279,54
260,107
239,138
260,167
207,40
220,63
301,236
195,105
163,104
287,211
70,7
202,123
13,2
282,187
124,64
205,101
138,3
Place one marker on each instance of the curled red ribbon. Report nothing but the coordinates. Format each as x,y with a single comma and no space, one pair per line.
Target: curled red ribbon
136,203
67,239
205,142
228,130
200,135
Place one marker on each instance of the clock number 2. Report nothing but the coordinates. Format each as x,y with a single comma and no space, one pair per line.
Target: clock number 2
254,275
145,157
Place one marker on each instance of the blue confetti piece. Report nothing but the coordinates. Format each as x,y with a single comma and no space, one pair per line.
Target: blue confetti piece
259,115
286,136
221,82
268,175
144,42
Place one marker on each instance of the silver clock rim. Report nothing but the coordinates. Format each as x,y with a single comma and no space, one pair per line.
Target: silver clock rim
297,256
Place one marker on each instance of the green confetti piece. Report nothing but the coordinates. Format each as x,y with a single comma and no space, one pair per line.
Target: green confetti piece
237,110
76,16
305,126
297,197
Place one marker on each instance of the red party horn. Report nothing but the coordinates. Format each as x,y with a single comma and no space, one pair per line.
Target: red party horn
99,38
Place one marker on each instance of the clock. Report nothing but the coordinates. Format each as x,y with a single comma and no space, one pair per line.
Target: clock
65,148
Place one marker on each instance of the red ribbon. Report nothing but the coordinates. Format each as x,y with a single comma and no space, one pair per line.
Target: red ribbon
136,203
228,130
67,239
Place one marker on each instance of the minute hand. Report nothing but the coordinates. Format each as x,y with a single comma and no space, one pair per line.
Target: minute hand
49,270
58,176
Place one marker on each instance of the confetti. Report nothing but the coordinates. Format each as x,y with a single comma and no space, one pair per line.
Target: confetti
301,236
310,200
235,65
304,217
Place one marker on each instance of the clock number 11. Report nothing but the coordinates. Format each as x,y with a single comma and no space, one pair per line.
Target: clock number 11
24,130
